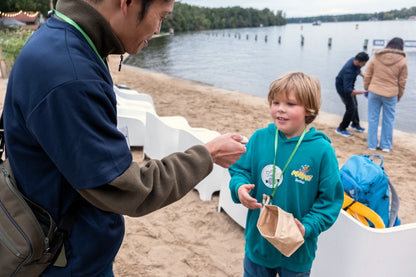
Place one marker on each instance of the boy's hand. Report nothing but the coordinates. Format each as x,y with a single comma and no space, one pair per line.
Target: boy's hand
226,149
246,199
301,227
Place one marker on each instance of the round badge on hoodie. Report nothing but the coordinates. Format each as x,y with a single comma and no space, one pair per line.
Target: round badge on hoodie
267,176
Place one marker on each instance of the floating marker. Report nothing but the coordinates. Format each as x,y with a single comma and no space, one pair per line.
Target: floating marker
365,44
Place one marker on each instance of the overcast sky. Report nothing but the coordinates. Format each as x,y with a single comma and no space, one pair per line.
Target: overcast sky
303,8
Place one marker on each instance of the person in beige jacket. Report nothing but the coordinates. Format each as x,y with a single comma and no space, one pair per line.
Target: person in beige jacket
385,80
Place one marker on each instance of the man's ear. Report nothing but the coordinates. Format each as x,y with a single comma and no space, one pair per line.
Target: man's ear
124,4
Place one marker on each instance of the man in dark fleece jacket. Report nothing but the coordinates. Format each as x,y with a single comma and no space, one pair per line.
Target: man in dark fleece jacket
345,83
61,133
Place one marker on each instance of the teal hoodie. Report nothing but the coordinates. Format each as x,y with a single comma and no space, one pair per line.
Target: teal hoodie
311,190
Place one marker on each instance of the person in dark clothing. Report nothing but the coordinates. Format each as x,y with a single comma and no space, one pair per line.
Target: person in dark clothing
344,84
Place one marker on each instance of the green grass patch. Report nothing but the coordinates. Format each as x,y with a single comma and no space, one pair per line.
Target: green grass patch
11,43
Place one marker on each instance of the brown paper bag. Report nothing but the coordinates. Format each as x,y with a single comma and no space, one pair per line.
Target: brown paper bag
280,229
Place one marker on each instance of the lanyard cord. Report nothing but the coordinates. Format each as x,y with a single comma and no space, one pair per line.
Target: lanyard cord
276,139
70,21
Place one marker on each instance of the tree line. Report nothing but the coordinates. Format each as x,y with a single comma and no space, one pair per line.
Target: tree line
192,18
389,15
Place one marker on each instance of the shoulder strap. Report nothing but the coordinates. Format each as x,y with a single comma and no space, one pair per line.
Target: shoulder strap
64,230
1,136
394,203
394,206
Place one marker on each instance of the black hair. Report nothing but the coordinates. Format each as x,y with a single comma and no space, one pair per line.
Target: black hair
145,7
362,57
395,43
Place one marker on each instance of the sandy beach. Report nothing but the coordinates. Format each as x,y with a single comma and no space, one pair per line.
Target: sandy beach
190,237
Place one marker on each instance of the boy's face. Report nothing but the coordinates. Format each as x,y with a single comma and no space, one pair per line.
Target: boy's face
288,115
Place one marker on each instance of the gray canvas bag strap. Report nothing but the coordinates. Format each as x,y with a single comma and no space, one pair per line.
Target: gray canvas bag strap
394,206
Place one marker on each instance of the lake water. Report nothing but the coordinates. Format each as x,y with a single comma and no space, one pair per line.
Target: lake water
249,59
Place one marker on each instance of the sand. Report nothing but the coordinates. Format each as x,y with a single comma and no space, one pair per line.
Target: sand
190,237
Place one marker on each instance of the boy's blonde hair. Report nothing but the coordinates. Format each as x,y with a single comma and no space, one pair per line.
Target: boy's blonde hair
307,90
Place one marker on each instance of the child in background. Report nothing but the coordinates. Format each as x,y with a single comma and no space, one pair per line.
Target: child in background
309,187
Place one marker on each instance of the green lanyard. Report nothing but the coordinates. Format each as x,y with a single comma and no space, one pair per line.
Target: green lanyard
276,139
70,21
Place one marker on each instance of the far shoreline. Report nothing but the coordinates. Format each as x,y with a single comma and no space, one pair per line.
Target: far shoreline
322,114
364,122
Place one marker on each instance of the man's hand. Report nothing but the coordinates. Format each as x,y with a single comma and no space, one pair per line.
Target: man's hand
356,92
246,199
226,149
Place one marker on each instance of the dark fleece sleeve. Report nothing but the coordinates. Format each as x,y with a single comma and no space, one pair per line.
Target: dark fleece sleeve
141,190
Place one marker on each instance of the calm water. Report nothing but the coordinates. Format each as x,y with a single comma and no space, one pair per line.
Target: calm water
234,59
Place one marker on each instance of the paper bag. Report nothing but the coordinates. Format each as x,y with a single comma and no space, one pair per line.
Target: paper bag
280,229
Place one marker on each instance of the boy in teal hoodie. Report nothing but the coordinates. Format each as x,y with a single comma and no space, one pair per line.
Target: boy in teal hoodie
309,187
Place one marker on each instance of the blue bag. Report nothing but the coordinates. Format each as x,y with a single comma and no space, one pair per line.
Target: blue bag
365,181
